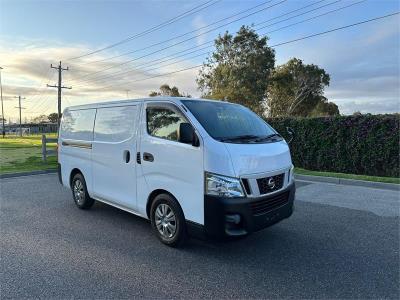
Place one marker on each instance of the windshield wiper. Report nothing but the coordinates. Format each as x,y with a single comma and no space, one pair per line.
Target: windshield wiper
239,138
267,137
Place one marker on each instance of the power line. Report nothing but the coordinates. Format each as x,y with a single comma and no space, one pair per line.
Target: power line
44,100
183,41
298,15
151,62
155,76
49,102
40,93
335,29
154,28
134,68
241,12
45,77
160,66
186,33
273,46
315,17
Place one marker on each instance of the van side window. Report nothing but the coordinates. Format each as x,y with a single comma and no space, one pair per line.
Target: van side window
115,124
163,122
78,124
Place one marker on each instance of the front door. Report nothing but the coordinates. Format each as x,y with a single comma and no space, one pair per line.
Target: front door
113,155
168,164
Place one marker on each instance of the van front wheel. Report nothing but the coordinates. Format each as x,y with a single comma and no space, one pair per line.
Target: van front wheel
80,193
168,221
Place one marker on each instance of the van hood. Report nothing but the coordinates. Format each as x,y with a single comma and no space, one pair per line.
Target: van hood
259,158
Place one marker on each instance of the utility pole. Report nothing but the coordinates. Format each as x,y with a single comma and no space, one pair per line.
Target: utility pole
20,114
2,107
59,88
127,94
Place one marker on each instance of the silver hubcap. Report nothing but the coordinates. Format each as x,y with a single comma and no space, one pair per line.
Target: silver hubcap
165,221
79,193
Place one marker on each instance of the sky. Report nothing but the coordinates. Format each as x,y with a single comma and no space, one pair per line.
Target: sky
363,61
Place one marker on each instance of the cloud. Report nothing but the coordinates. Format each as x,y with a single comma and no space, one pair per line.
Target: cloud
198,23
367,105
27,71
363,65
364,69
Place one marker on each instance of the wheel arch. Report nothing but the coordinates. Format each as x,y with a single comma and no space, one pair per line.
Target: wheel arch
153,195
73,173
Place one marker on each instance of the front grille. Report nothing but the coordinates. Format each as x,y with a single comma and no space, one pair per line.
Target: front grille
263,206
270,184
246,186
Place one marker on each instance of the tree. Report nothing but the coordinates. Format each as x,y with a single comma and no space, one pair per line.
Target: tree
53,117
40,119
238,69
166,90
324,109
296,89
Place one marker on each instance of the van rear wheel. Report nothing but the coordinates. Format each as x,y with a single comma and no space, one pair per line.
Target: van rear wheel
168,221
80,193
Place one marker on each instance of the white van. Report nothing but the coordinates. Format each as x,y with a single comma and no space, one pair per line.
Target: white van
192,166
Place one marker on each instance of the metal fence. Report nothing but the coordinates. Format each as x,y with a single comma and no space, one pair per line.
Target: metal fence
29,129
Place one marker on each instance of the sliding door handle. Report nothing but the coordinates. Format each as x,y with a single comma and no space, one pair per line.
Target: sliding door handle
127,156
148,157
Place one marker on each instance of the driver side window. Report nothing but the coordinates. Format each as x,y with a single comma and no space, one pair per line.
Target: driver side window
164,122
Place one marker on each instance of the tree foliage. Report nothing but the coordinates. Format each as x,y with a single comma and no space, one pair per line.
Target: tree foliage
324,109
53,117
239,69
166,90
40,119
296,89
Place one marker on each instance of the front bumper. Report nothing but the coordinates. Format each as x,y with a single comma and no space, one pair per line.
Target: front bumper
241,216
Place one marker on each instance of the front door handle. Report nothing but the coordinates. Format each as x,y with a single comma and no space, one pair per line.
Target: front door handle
148,157
127,156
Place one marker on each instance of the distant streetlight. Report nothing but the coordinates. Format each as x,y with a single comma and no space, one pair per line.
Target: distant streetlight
2,107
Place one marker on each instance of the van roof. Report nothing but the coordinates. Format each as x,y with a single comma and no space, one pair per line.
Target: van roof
127,101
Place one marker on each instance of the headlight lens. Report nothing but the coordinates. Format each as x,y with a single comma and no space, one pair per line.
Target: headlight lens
223,186
292,173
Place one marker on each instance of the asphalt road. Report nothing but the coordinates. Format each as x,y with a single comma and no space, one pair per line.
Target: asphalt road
341,242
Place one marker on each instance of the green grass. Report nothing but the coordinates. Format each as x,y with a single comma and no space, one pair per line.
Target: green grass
348,176
24,154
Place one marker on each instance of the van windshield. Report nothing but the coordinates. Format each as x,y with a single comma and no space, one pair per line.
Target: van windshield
231,123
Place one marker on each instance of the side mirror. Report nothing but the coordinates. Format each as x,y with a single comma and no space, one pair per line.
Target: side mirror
187,134
290,131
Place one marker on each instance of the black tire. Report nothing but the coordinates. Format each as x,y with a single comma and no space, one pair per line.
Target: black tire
168,202
79,192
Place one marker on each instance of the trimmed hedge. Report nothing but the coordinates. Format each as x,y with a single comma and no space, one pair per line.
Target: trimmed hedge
365,144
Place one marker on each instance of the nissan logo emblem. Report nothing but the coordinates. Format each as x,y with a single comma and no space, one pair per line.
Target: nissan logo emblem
271,183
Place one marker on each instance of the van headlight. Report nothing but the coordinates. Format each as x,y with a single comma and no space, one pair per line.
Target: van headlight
223,186
291,173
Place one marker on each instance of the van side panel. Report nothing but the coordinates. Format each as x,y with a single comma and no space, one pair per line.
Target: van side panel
75,145
75,158
114,155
